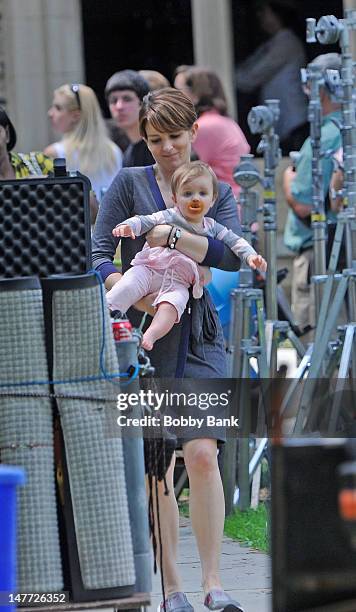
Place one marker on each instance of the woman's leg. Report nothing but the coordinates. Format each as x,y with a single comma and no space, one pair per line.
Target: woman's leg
169,523
162,323
207,506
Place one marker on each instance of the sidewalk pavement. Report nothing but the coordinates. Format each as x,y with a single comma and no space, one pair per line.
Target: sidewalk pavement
246,573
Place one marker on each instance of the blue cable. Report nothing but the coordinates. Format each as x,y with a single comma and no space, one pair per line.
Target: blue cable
102,350
104,374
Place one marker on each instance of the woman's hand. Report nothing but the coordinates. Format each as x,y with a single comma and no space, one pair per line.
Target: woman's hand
158,236
191,245
123,231
145,304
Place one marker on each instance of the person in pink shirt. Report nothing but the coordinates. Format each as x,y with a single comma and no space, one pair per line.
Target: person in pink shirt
220,141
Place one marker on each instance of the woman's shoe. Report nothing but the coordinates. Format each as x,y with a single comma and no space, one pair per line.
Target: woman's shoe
177,602
217,599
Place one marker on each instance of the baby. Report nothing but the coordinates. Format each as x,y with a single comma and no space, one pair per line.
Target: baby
164,269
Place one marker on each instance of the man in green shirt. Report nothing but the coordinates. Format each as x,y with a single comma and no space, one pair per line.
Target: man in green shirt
298,190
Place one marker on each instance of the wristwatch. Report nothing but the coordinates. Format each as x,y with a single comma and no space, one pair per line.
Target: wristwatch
176,234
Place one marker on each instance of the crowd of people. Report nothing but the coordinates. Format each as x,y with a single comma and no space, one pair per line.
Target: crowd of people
147,183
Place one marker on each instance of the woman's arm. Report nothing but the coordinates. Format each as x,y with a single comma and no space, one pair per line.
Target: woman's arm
116,206
50,151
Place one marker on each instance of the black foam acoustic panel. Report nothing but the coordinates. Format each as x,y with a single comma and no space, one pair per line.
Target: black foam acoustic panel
45,226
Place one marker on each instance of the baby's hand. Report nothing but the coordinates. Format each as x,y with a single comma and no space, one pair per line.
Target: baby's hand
257,261
123,231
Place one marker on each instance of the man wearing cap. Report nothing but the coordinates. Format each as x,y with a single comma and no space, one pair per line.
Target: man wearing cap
124,92
298,190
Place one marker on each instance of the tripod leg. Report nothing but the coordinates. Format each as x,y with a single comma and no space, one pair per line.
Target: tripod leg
352,304
317,357
263,365
320,347
298,345
229,474
272,337
262,396
327,294
244,436
237,306
299,375
263,370
343,373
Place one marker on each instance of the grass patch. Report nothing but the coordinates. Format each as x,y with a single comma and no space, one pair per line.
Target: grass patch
249,527
184,509
183,503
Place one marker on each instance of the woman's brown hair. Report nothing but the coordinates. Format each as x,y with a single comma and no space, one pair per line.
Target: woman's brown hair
207,88
167,110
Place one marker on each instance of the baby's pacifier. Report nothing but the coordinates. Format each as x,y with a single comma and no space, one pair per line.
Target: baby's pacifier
196,207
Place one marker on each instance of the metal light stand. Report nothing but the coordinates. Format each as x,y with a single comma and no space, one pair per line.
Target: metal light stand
246,175
261,120
330,30
241,348
314,76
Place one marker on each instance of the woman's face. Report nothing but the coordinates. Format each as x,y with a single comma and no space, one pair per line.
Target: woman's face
62,119
170,149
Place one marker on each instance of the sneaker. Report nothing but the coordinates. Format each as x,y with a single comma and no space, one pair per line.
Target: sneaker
177,602
217,599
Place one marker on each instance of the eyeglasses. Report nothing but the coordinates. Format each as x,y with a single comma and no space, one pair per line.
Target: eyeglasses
75,89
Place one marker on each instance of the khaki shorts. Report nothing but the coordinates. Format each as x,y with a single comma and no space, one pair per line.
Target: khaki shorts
303,302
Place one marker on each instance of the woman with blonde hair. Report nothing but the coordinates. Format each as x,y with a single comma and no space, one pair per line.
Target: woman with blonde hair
75,113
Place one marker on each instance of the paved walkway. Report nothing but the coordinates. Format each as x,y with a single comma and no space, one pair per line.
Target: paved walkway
246,574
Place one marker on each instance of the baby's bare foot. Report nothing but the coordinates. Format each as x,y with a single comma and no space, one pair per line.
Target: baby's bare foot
147,342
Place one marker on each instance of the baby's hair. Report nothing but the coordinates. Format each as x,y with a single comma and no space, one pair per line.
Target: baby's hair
192,170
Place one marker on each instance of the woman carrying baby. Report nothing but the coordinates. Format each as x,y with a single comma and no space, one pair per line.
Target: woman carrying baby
193,348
